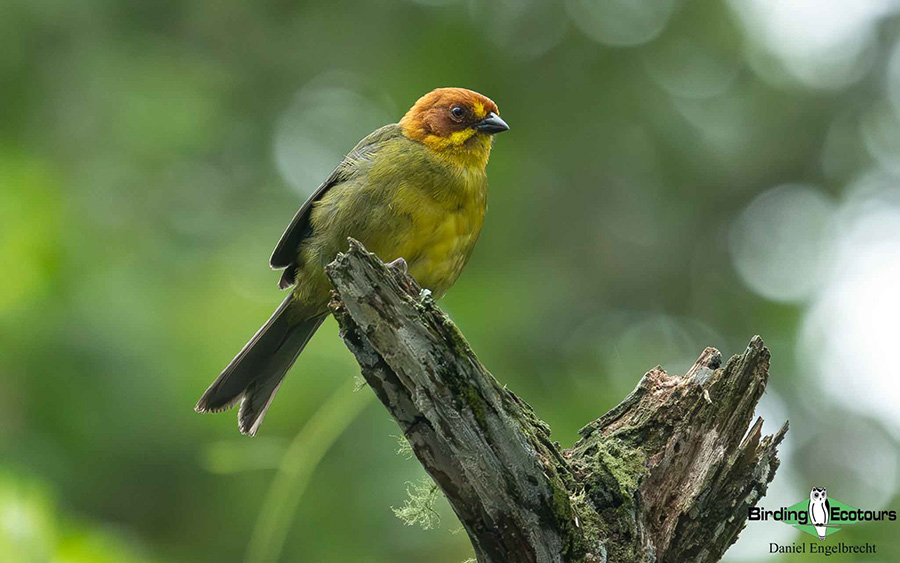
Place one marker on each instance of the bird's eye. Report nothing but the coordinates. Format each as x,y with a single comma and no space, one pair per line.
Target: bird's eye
457,112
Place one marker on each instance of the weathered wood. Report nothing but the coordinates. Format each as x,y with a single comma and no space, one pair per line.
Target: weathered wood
667,475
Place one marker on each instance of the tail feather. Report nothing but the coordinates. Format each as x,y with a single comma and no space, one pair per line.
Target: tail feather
254,375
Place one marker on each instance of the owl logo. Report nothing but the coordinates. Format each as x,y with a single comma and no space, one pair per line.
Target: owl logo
819,509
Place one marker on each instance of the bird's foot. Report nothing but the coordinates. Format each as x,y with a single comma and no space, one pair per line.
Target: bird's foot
399,264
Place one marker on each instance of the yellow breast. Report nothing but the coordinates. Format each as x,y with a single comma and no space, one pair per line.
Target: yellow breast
442,229
411,204
447,246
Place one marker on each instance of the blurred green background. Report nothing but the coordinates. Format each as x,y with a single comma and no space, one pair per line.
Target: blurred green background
678,174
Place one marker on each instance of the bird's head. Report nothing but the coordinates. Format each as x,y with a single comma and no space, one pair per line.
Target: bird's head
818,494
457,124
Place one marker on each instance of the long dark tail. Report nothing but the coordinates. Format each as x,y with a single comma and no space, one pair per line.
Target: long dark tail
254,375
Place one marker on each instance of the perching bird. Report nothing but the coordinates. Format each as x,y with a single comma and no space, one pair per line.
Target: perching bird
819,510
415,190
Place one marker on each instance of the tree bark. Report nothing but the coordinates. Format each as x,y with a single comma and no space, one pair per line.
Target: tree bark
667,475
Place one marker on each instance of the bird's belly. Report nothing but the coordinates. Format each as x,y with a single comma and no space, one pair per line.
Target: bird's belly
438,246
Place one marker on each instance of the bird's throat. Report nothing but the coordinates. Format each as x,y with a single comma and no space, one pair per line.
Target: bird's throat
471,152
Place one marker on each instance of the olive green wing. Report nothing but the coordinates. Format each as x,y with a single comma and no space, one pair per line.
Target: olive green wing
285,254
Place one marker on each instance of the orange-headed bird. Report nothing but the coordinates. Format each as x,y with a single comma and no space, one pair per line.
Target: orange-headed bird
414,190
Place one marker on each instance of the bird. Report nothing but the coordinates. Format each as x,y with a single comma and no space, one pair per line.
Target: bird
819,510
412,192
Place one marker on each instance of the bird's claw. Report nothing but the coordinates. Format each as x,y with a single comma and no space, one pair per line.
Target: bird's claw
399,264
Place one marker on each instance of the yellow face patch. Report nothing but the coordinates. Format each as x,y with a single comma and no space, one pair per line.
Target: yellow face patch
462,148
460,137
478,109
455,139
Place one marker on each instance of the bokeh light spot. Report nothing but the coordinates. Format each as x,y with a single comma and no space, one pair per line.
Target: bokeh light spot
522,28
880,130
684,68
328,117
850,332
779,242
621,23
821,44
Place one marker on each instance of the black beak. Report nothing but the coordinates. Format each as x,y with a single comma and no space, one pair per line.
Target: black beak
492,124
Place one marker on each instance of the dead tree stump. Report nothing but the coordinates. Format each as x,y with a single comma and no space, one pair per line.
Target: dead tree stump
667,475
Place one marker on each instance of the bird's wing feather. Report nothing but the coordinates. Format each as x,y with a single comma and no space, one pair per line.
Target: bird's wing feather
285,253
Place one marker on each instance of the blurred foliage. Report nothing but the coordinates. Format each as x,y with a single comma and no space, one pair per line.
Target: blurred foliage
32,529
679,173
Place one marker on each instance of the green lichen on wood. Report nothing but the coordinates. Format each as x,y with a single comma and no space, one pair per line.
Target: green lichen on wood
465,395
611,473
404,448
623,465
569,508
574,517
418,509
